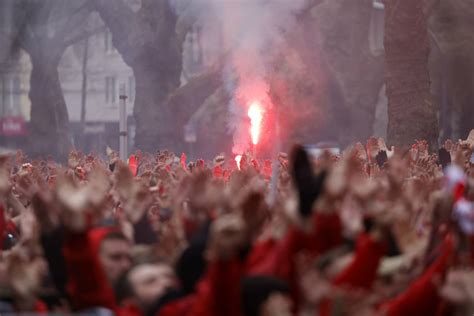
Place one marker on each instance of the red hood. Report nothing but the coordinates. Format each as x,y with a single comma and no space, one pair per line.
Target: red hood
96,235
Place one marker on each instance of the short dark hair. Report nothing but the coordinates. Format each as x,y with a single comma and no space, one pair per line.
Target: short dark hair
113,235
123,289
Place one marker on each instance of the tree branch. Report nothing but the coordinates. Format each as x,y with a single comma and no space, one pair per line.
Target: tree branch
188,98
75,19
122,23
116,15
216,101
83,35
39,15
26,38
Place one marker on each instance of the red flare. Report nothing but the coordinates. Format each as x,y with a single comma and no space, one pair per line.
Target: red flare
255,114
237,160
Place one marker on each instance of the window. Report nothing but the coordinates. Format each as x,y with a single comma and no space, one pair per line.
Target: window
10,99
110,91
131,88
108,44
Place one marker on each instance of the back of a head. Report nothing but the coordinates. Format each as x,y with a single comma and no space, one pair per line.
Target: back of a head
256,290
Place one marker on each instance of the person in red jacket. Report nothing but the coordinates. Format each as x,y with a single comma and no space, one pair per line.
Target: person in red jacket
145,284
422,297
218,292
361,272
114,251
87,283
277,258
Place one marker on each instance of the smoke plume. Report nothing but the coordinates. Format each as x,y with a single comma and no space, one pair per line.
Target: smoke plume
249,33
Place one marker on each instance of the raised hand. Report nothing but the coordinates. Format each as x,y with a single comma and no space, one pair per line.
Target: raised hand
46,210
227,237
459,289
133,194
309,186
314,286
253,207
470,138
373,148
24,276
5,183
360,152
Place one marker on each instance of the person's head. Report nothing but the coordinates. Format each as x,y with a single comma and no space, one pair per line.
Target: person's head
145,284
264,296
115,254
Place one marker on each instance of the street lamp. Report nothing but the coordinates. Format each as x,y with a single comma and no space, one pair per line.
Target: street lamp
123,124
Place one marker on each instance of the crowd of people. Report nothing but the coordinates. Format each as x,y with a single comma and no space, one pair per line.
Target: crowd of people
372,231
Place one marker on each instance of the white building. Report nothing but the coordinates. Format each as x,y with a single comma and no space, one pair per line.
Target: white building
105,73
14,102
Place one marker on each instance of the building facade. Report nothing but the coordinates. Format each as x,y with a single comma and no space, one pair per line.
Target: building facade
104,72
15,71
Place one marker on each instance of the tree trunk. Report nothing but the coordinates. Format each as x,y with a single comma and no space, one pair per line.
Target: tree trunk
467,117
461,95
355,73
411,113
452,25
360,72
147,41
155,125
49,117
151,44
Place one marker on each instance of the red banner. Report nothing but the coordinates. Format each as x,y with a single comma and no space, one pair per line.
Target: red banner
12,126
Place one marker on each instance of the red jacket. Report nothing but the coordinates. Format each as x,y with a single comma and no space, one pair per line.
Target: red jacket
278,258
422,297
362,271
218,293
87,285
180,307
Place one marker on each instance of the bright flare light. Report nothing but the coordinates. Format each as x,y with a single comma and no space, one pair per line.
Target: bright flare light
255,114
237,160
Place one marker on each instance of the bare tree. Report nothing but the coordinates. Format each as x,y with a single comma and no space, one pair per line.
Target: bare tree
44,29
359,72
411,112
150,42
